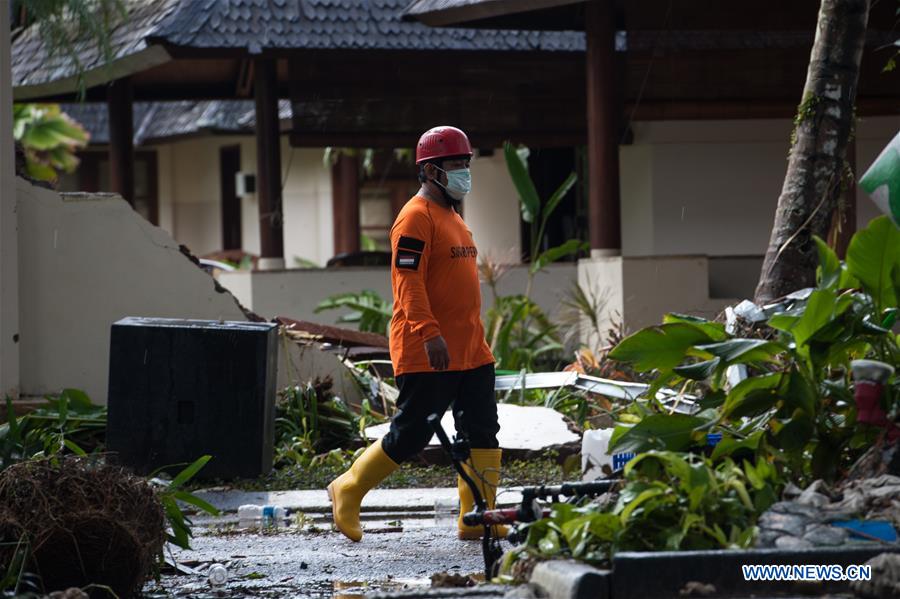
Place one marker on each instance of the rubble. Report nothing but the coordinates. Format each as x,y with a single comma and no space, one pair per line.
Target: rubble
821,517
522,428
885,581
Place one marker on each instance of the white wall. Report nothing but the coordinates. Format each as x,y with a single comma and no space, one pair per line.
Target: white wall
711,187
296,293
491,210
190,197
640,290
308,229
92,260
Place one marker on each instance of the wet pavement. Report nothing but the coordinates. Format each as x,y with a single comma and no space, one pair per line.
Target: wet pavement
315,562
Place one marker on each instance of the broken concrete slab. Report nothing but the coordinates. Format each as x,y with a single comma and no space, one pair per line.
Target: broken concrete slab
522,428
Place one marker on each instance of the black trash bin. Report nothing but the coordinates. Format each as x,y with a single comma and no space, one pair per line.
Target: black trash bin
179,389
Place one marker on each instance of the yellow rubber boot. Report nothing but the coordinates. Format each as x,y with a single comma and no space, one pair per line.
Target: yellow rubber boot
486,475
347,490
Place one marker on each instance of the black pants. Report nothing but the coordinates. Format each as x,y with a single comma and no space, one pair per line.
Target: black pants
470,392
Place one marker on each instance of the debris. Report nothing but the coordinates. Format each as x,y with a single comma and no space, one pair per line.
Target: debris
88,522
867,509
443,580
683,404
530,428
750,312
697,589
885,581
304,330
218,575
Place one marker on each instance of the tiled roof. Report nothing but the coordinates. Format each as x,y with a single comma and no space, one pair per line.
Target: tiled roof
157,121
256,25
335,24
33,65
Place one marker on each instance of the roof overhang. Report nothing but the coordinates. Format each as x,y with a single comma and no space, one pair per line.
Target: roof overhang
147,58
480,13
636,15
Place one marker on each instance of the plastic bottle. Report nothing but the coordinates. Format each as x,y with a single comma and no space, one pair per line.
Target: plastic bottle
218,575
261,516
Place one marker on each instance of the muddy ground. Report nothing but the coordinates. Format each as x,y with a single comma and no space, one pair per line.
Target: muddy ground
316,562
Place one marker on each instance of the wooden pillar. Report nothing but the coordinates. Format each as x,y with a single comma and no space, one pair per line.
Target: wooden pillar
345,204
603,115
119,100
268,165
847,216
399,196
9,236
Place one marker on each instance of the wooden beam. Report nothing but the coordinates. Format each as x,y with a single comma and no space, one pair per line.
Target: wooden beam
603,118
345,204
121,139
268,166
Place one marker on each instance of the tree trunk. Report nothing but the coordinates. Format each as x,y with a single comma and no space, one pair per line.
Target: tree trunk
823,126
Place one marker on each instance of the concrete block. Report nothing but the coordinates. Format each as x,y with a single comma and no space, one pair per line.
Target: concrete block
568,579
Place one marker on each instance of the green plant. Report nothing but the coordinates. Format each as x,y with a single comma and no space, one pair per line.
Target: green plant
171,492
367,243
68,422
668,502
15,578
518,331
314,428
50,139
520,334
369,310
538,213
795,407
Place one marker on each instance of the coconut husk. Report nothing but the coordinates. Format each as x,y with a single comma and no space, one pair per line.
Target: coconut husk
86,523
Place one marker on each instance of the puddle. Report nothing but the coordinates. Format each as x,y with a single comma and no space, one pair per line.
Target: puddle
322,589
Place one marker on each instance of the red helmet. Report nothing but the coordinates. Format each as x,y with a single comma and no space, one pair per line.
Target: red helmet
442,142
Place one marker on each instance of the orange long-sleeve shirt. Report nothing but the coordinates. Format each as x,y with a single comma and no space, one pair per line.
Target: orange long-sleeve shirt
434,279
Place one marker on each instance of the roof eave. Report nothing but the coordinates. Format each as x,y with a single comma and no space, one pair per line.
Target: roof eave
486,9
149,57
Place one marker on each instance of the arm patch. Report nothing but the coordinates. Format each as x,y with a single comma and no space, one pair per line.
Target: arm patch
408,260
411,243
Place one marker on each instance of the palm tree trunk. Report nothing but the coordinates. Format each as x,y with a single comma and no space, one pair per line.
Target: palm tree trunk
823,127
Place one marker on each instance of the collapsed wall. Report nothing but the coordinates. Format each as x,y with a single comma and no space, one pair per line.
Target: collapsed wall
88,260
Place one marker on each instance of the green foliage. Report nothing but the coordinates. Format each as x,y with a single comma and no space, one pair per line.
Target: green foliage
873,257
796,405
791,419
67,423
668,502
537,213
313,427
520,334
518,331
369,311
50,139
171,493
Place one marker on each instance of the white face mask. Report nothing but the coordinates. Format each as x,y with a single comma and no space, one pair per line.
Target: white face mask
459,182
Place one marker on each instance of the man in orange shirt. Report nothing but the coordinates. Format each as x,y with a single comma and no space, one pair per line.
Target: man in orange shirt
437,342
